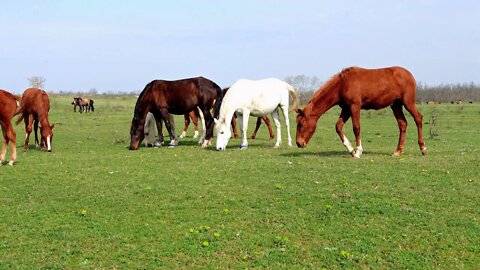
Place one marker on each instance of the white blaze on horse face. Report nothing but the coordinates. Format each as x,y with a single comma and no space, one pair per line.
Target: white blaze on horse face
223,135
49,145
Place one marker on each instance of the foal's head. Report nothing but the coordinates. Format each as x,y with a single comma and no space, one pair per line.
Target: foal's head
305,128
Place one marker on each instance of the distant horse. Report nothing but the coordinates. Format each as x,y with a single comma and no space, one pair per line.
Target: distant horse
85,104
9,105
354,89
162,97
257,98
34,108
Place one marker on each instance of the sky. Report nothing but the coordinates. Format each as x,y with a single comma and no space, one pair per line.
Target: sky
120,46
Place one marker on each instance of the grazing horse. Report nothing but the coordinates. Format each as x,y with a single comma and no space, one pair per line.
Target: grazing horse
257,98
9,105
257,126
85,104
34,108
354,89
162,97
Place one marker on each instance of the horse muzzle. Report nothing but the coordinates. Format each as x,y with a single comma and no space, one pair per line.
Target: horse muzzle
301,144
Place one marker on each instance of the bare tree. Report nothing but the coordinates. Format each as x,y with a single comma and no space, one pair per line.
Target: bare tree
305,86
37,82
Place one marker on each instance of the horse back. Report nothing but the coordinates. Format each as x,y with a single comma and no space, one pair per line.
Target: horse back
35,101
376,88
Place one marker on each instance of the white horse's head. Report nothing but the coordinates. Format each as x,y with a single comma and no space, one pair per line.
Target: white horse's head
223,133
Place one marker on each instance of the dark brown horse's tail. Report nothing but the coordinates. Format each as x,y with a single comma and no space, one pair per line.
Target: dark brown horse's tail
218,102
91,105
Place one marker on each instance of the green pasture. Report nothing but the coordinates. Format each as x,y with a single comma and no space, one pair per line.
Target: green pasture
93,204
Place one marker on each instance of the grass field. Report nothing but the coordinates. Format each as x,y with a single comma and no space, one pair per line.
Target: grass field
93,204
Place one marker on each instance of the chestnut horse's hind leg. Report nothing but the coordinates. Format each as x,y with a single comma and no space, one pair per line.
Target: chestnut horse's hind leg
344,116
187,122
234,126
355,111
28,119
9,137
402,126
257,126
412,109
193,116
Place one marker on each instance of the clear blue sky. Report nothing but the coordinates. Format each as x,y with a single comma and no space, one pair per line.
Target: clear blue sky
115,45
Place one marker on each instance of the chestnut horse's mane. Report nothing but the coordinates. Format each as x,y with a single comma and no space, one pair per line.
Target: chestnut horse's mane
327,85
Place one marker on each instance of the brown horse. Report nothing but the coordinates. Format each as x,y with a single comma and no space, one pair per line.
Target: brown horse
85,104
34,108
9,105
162,97
354,89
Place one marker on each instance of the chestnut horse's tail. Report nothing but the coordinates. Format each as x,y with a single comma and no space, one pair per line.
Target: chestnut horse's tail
19,110
294,94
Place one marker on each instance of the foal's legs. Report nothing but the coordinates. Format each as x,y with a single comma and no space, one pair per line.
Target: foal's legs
402,126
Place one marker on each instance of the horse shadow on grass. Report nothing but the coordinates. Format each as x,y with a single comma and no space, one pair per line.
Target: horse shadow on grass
333,153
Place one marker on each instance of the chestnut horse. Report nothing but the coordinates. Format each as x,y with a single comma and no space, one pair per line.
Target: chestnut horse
9,105
162,97
357,88
34,108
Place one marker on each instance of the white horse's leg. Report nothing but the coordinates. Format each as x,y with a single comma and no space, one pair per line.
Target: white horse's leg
243,120
204,128
276,120
287,124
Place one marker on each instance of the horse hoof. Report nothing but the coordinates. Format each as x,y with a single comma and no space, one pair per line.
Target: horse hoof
424,151
243,146
10,163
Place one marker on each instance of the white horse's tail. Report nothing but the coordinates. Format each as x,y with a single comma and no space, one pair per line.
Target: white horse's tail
294,94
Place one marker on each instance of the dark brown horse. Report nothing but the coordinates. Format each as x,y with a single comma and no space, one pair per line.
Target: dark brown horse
9,105
354,89
34,108
162,97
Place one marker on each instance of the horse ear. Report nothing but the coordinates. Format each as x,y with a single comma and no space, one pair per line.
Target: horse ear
51,127
300,112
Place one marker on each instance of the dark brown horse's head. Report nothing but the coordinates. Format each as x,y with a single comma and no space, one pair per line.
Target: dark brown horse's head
47,137
137,133
305,128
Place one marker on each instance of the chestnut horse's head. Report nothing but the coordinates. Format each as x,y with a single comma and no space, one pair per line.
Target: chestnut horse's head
305,128
47,137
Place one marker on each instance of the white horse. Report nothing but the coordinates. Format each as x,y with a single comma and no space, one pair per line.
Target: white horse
257,98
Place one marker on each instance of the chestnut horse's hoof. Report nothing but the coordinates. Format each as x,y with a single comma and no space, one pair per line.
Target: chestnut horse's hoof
424,151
